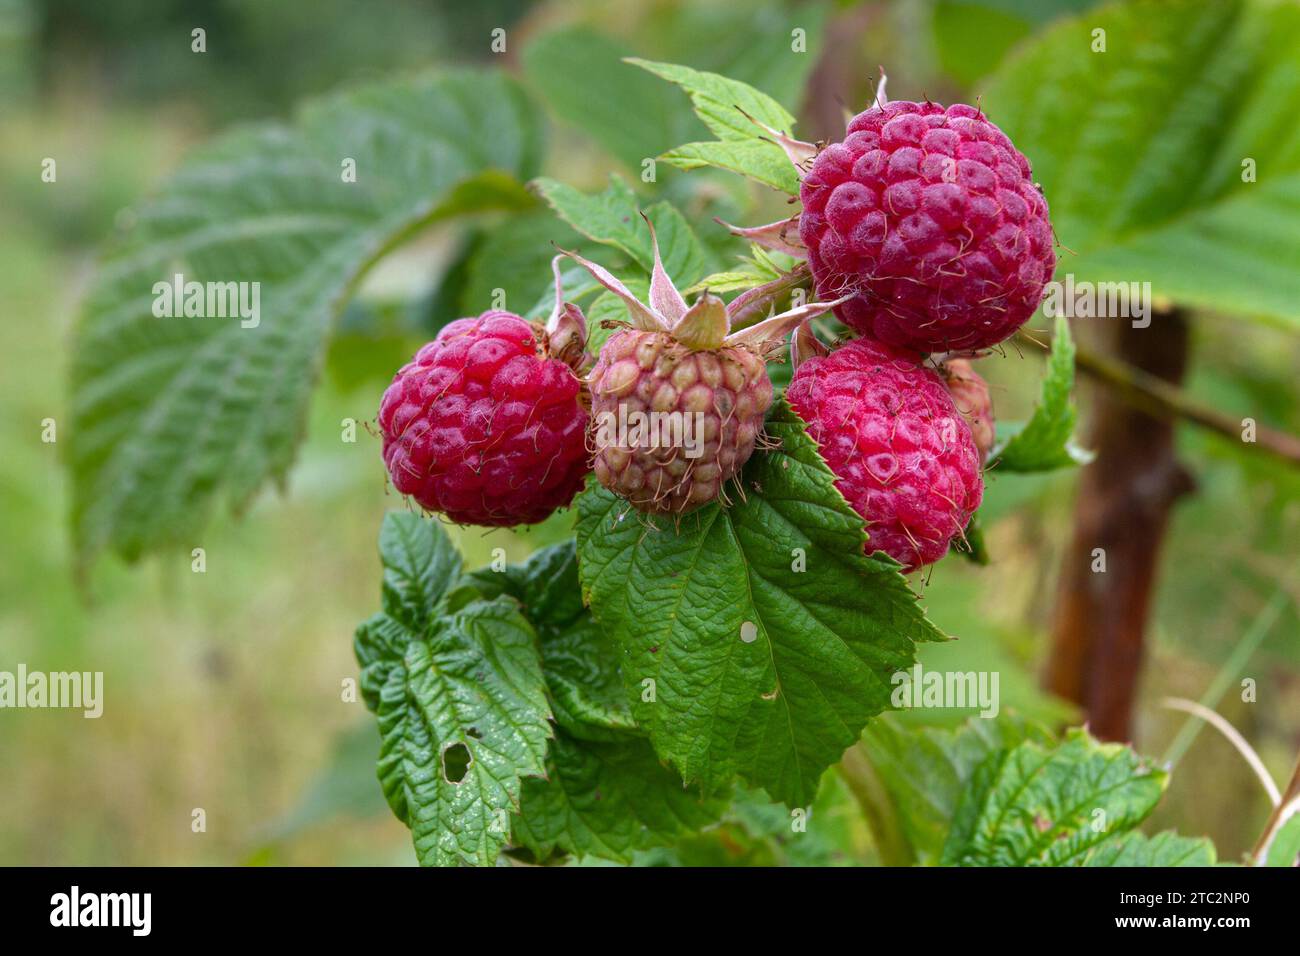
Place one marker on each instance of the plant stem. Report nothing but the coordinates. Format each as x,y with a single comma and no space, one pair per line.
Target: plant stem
1233,736
856,769
1121,511
1278,817
1161,399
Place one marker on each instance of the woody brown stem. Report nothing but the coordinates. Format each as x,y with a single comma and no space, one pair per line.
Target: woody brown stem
1124,500
1157,397
838,72
1277,818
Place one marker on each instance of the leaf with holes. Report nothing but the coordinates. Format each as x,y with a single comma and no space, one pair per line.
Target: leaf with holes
169,412
1037,805
757,639
456,683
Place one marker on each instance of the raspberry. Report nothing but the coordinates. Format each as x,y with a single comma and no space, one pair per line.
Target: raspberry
719,397
970,393
930,216
903,456
678,400
484,427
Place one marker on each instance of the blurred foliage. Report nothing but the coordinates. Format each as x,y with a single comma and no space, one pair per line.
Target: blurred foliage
1180,169
262,58
972,36
223,689
170,417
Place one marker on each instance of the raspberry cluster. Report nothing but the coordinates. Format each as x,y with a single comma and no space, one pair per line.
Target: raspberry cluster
925,232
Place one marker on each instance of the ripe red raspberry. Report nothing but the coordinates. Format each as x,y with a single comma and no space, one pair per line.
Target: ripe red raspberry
970,393
716,398
902,454
484,427
931,217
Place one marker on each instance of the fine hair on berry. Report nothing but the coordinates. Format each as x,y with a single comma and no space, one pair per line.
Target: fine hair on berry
716,397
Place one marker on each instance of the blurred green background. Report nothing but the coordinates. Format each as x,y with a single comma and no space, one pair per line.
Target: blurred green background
223,691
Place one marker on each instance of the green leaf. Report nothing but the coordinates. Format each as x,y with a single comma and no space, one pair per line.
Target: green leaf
755,831
685,257
831,832
613,217
762,265
606,794
1051,806
420,566
581,75
1146,151
756,668
722,283
757,159
751,42
580,659
926,769
515,257
1163,849
721,102
633,115
742,146
169,412
343,787
577,285
972,36
607,800
609,217
456,683
1045,442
